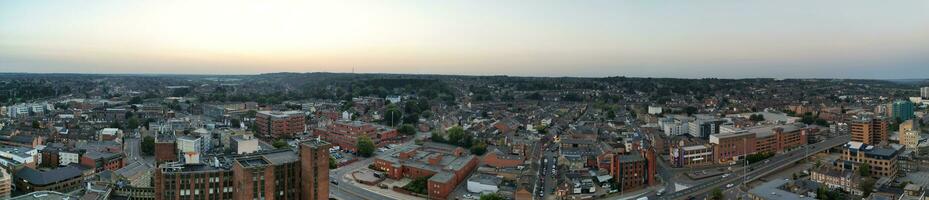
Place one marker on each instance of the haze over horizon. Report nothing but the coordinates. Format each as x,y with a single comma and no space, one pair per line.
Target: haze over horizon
710,39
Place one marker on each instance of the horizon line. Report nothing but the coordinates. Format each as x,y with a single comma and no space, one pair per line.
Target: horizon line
434,74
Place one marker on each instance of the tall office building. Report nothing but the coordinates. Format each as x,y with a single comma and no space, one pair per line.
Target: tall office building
924,92
869,130
314,162
270,175
902,110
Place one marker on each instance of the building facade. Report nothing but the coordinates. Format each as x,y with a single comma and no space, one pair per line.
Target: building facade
634,170
836,179
279,124
692,156
447,165
345,134
270,175
869,130
924,92
314,165
910,135
730,147
902,110
882,161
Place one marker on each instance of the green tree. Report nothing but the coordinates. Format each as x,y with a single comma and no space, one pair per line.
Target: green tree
36,124
690,110
418,185
437,137
251,114
235,122
407,129
135,100
458,137
116,124
717,194
864,170
332,163
279,143
808,118
365,146
756,117
393,116
148,145
133,123
479,149
492,196
866,186
534,96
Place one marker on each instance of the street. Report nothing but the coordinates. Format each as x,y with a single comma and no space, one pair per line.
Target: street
346,190
760,169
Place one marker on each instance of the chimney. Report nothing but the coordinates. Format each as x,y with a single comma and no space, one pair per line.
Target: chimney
434,160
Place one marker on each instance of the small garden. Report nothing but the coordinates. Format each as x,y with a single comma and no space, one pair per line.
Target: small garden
418,185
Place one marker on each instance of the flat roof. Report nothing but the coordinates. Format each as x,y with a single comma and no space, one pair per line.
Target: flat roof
44,195
771,190
37,177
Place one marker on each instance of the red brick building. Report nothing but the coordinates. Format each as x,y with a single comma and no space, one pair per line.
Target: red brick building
176,181
31,141
279,124
346,134
634,170
165,149
269,175
100,161
499,159
314,165
779,139
448,165
728,147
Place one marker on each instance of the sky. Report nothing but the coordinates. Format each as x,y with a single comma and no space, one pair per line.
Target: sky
682,39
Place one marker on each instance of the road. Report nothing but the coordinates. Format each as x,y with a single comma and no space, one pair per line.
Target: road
132,148
760,169
548,160
346,190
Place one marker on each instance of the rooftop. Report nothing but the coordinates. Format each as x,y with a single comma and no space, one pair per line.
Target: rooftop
281,114
44,195
485,179
37,177
771,191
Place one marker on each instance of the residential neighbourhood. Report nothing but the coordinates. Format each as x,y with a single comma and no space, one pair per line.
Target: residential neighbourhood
464,138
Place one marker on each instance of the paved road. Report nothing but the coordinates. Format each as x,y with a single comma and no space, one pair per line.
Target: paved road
759,169
348,191
132,148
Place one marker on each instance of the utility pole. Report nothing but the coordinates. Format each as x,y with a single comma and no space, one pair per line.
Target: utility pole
744,163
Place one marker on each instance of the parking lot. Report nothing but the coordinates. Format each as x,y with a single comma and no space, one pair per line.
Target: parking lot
341,156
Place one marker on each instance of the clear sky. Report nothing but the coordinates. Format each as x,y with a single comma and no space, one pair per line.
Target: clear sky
689,39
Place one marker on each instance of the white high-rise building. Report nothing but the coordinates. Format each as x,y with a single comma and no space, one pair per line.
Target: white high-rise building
924,92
